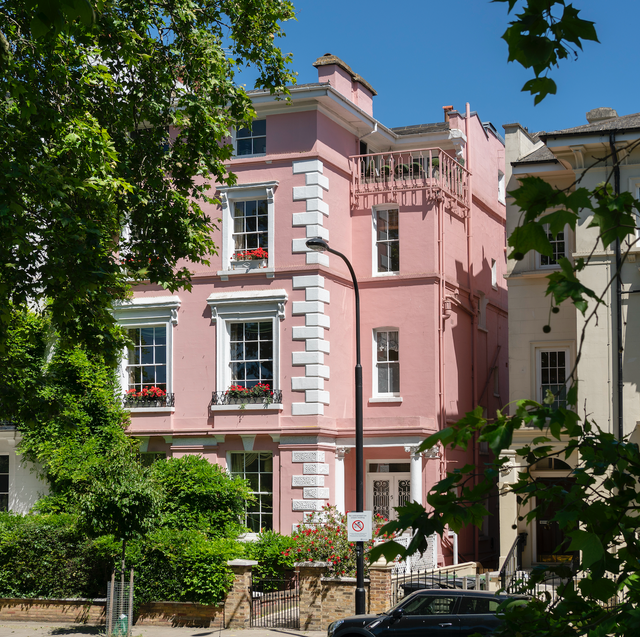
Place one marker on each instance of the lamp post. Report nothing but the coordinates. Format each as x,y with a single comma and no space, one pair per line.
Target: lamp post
320,245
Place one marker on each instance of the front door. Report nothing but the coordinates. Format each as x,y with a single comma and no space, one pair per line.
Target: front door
551,544
386,491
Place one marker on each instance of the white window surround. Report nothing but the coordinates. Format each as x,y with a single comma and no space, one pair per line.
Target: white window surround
246,192
376,396
243,306
553,266
501,187
537,348
374,238
634,189
149,311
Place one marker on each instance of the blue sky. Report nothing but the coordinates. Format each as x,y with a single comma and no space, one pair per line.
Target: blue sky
420,55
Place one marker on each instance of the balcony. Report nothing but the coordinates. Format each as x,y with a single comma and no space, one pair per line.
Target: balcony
227,400
383,176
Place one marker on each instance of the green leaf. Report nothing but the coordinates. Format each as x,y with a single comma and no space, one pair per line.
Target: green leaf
590,545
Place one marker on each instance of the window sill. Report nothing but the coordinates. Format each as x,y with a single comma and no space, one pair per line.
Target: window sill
390,273
225,274
149,410
386,399
248,407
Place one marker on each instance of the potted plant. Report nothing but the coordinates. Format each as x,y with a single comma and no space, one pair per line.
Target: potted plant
250,259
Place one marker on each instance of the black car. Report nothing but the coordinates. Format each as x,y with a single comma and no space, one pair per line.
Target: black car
429,613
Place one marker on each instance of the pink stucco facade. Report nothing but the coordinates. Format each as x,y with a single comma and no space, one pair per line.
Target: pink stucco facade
441,306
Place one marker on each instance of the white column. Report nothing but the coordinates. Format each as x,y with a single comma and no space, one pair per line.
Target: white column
416,473
339,478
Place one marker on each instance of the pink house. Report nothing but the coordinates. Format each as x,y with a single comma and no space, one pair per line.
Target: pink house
420,213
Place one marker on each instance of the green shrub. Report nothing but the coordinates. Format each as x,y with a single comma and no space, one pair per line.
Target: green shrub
200,495
47,556
273,554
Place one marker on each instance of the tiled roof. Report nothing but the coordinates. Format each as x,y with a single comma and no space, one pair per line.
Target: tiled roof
626,122
539,155
416,129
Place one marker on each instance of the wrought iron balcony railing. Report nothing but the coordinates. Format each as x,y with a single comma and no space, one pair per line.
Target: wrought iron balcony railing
410,170
131,402
227,398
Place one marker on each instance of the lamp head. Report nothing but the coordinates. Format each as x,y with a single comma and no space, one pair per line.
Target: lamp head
317,244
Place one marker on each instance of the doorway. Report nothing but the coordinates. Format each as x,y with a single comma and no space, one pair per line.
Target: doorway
388,486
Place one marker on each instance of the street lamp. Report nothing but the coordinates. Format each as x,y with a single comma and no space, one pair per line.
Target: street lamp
320,245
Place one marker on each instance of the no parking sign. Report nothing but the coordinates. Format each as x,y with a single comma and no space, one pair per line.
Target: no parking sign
359,527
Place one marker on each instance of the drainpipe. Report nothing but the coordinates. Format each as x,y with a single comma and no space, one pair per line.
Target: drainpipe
616,190
474,318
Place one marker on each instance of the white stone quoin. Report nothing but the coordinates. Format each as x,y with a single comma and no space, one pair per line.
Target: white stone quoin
308,456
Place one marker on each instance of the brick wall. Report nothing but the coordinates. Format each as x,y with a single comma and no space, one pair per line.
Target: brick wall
82,611
180,614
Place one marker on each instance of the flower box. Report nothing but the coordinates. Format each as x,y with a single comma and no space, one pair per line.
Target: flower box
249,264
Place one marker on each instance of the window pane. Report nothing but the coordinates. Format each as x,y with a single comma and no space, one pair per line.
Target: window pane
4,502
266,371
250,208
160,336
245,147
251,331
237,351
394,377
146,355
4,483
251,351
381,342
383,378
147,335
237,463
4,464
161,354
243,132
259,127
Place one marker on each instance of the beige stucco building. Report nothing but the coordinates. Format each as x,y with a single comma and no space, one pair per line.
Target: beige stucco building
539,360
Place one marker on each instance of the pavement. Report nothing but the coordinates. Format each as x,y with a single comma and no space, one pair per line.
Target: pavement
43,629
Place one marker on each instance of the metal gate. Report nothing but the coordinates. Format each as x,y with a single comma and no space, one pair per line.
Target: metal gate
275,603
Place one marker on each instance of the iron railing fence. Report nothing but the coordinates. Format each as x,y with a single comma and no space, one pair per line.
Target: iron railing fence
275,602
166,401
406,580
410,170
224,398
513,562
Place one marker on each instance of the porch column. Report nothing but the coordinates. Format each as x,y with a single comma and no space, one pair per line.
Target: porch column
339,500
416,473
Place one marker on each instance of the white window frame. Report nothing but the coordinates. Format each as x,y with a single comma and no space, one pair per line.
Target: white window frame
501,187
144,311
550,347
242,307
9,485
246,192
376,396
634,189
234,140
273,489
553,266
374,238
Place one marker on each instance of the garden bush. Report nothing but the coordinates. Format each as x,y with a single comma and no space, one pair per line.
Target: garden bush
273,553
323,538
48,556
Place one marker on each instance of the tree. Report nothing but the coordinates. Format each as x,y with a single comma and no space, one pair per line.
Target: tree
598,512
112,125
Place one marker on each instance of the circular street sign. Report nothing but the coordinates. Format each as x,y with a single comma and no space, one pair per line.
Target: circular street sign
358,526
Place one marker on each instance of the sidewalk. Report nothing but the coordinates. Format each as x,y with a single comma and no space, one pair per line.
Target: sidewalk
37,629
